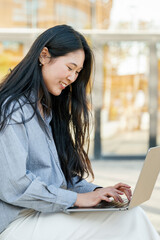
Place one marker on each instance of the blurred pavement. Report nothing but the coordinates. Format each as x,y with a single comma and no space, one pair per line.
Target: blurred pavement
111,172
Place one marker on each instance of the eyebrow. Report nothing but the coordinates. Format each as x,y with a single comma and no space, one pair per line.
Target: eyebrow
75,65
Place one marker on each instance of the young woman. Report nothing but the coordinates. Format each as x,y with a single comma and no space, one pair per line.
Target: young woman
43,126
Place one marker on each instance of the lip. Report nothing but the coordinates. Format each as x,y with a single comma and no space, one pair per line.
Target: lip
63,87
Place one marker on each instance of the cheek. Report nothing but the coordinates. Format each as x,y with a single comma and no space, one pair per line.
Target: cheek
47,73
54,73
60,73
44,72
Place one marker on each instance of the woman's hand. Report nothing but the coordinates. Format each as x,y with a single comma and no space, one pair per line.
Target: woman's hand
126,189
91,199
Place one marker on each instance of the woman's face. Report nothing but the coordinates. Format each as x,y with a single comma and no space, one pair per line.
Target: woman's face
60,72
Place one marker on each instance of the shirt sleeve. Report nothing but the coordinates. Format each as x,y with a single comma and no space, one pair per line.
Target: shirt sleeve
19,186
82,186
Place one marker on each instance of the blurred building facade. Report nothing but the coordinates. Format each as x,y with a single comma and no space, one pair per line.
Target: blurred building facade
124,66
47,13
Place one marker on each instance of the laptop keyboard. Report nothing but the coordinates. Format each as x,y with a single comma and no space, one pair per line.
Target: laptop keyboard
113,204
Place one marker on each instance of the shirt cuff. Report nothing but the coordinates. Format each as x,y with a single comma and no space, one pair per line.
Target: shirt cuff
97,188
91,187
64,198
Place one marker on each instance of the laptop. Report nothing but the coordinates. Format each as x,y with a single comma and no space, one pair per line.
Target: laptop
142,191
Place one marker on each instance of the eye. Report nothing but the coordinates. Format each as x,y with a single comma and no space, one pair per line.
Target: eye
70,69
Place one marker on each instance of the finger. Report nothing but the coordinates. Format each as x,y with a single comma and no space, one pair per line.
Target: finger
120,199
106,199
110,190
121,188
118,185
126,191
117,197
112,193
115,194
128,194
119,192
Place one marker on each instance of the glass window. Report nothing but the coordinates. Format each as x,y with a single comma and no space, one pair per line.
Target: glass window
11,54
125,118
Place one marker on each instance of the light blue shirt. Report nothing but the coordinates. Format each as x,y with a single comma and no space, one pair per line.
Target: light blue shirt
30,171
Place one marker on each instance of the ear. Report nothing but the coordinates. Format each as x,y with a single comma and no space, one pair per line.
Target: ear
44,56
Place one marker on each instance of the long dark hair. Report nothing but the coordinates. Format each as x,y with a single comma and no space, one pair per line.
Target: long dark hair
70,121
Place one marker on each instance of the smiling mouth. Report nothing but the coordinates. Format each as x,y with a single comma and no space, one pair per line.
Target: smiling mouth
63,84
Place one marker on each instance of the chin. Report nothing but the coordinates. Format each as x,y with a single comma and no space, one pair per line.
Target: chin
55,93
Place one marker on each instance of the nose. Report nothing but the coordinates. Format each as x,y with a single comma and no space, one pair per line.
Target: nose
72,77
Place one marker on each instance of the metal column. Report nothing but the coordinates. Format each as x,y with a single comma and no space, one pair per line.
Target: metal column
97,96
153,94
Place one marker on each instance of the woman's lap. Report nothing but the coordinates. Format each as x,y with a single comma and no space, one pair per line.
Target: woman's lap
129,225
